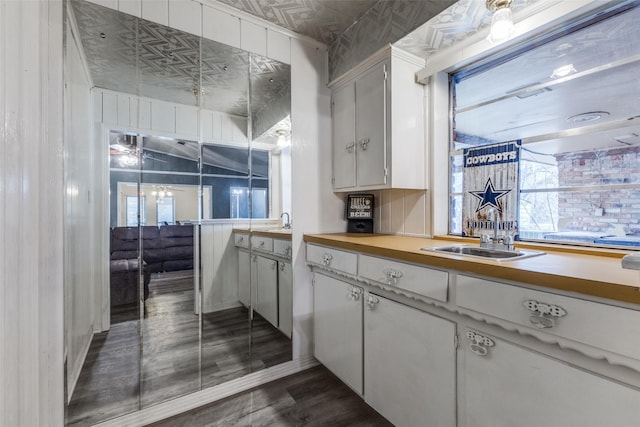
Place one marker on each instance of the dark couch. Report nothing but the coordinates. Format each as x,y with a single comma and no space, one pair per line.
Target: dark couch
167,248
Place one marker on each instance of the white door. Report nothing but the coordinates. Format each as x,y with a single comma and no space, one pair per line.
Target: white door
244,278
267,292
285,291
344,138
337,327
410,364
370,127
514,386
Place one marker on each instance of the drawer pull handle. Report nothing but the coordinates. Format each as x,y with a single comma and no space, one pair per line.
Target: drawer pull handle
287,251
363,143
354,293
371,301
241,239
350,147
274,265
479,344
326,259
281,266
392,275
262,244
544,315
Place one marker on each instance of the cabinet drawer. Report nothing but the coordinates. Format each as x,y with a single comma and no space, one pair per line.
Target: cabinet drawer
333,259
282,248
418,280
241,240
260,243
592,323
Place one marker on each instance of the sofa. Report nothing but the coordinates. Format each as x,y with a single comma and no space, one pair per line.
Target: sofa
165,248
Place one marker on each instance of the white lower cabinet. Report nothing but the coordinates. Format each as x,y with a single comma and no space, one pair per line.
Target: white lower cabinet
506,385
266,301
285,297
409,364
337,327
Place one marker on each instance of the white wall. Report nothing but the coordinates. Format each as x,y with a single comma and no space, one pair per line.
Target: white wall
31,167
83,216
315,208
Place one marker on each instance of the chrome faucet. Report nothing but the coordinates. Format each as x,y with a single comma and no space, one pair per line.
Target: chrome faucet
286,224
486,241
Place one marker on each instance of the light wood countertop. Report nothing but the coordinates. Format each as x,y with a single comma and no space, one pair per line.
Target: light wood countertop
583,271
276,233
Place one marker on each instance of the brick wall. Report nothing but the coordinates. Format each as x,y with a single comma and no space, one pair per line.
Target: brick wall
609,210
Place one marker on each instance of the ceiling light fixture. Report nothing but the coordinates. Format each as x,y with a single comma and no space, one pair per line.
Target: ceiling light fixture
590,116
502,28
563,71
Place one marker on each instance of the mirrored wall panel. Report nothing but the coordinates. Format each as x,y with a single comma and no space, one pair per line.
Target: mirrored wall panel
194,154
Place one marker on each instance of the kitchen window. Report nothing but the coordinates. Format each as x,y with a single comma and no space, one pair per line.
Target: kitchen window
572,101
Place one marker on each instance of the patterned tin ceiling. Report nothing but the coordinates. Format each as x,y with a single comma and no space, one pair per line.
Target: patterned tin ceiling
322,20
132,55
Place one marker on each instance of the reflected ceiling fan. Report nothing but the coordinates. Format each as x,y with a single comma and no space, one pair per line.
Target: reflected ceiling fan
123,149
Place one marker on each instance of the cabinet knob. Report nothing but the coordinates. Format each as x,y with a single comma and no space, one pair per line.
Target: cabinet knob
281,266
354,293
371,301
544,315
363,143
241,239
326,259
392,275
262,244
274,264
350,147
479,344
287,251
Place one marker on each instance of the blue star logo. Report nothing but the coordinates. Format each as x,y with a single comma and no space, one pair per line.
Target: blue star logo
489,197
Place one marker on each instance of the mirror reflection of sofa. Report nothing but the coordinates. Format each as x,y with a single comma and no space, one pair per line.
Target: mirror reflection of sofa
165,248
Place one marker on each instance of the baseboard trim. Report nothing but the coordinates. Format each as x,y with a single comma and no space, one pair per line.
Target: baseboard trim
77,367
186,403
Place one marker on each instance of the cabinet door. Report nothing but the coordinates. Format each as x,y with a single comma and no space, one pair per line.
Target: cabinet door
244,278
508,385
371,125
337,327
410,360
285,290
267,290
344,137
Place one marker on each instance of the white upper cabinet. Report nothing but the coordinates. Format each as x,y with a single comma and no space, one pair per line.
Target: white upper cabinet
378,124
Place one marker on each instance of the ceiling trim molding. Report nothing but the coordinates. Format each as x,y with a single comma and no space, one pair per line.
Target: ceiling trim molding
262,22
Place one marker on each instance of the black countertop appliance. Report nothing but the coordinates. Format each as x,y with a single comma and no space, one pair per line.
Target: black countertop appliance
360,213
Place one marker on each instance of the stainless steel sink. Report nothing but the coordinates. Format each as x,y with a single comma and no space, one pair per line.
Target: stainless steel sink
486,253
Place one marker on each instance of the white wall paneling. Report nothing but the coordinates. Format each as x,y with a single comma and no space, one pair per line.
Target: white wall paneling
402,212
132,7
31,214
278,46
186,15
82,210
315,208
220,26
113,4
156,11
127,111
253,38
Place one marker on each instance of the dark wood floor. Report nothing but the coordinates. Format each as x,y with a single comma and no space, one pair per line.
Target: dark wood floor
137,363
311,398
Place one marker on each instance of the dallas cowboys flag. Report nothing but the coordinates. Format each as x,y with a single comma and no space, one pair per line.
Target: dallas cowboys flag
491,182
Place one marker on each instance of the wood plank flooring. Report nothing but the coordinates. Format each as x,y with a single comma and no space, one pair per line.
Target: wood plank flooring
311,398
124,372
